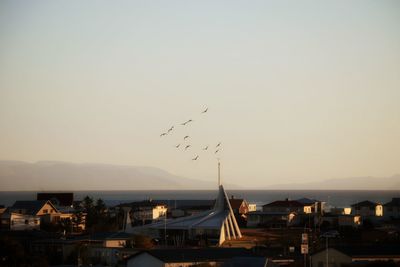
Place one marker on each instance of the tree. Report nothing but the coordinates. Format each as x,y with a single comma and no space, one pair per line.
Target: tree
100,206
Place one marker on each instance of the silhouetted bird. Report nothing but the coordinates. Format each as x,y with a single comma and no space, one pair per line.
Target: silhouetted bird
218,144
186,147
204,111
163,134
205,148
170,129
216,151
186,122
196,158
177,146
187,136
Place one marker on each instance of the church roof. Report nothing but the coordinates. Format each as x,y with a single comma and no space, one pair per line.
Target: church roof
211,219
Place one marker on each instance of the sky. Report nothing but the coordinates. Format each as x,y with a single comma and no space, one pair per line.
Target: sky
297,91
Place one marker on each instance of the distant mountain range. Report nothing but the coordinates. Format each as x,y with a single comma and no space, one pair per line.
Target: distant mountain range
62,176
352,183
52,175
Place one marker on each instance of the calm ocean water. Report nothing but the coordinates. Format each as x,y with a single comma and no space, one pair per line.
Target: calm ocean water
335,198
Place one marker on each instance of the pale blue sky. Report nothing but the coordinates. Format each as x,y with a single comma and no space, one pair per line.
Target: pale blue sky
297,90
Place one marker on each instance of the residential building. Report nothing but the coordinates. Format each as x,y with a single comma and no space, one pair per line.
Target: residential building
145,212
252,207
272,219
312,205
19,222
180,257
367,209
34,207
288,206
340,256
349,220
391,210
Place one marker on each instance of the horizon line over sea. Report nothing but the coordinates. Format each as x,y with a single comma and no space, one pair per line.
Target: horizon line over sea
334,198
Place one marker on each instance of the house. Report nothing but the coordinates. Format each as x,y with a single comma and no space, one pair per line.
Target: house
340,211
252,207
249,262
19,222
349,220
391,210
57,251
273,219
48,213
367,209
240,208
340,256
312,205
239,205
288,206
34,207
186,207
117,240
145,212
186,257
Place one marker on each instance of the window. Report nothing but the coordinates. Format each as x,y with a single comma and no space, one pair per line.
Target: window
45,211
26,222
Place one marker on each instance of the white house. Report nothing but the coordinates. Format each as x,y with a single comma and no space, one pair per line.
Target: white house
19,222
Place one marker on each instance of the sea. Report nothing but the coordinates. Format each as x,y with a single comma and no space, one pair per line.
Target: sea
333,198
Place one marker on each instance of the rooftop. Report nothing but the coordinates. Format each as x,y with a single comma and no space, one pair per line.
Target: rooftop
196,254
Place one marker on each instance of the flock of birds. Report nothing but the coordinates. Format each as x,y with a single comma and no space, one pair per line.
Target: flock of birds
186,145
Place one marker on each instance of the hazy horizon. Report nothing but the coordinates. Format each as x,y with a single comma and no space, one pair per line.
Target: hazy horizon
296,92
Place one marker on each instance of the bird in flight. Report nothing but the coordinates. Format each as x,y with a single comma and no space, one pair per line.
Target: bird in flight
216,151
163,134
170,129
204,111
186,137
218,144
186,122
186,147
205,148
196,157
177,146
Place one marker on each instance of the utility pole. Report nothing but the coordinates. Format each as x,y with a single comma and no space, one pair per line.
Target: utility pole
327,252
219,173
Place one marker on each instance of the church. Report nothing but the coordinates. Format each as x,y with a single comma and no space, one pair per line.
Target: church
212,227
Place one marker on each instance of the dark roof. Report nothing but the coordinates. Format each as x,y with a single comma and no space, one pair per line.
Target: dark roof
394,203
372,250
246,262
284,203
270,213
193,254
60,199
31,207
365,203
187,203
236,202
102,236
144,203
305,200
